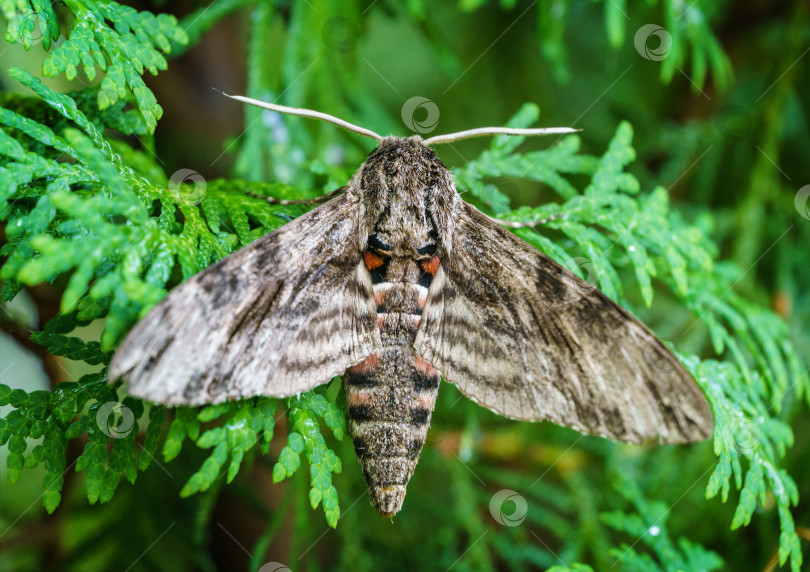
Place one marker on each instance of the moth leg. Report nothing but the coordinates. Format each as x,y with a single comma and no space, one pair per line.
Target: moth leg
315,201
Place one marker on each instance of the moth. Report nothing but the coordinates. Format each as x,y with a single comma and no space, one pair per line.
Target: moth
393,285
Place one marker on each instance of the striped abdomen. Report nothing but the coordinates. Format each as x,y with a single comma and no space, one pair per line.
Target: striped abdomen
391,395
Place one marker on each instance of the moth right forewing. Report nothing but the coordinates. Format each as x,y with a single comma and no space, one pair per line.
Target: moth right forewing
278,317
526,338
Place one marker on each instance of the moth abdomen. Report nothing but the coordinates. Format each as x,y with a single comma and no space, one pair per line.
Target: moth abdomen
391,395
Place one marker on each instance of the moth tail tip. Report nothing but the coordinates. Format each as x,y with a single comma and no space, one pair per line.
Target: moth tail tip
387,499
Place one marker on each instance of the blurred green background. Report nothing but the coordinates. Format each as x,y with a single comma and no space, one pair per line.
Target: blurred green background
718,94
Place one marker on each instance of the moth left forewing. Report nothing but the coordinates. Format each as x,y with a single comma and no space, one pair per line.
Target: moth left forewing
529,340
278,317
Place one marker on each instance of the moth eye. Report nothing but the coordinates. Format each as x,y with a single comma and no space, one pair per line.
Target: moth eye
373,260
428,249
377,244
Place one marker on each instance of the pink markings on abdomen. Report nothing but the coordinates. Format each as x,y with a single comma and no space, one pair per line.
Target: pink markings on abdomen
367,364
358,398
422,366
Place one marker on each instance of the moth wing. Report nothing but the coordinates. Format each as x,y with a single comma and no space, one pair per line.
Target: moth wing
528,339
282,315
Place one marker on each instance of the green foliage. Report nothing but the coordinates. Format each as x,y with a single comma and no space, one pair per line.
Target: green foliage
648,525
306,438
94,215
122,52
688,39
245,423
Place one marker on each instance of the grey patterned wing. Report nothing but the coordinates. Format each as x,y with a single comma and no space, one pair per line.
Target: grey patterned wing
278,317
527,339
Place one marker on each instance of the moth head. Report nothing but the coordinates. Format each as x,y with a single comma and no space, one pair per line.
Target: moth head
407,198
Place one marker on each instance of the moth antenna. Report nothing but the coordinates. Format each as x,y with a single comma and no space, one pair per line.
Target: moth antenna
306,113
481,131
315,201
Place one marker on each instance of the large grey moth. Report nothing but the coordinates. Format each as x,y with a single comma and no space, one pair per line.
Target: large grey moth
394,284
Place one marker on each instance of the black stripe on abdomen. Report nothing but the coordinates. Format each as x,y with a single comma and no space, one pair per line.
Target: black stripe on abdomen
423,382
420,416
360,379
360,413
